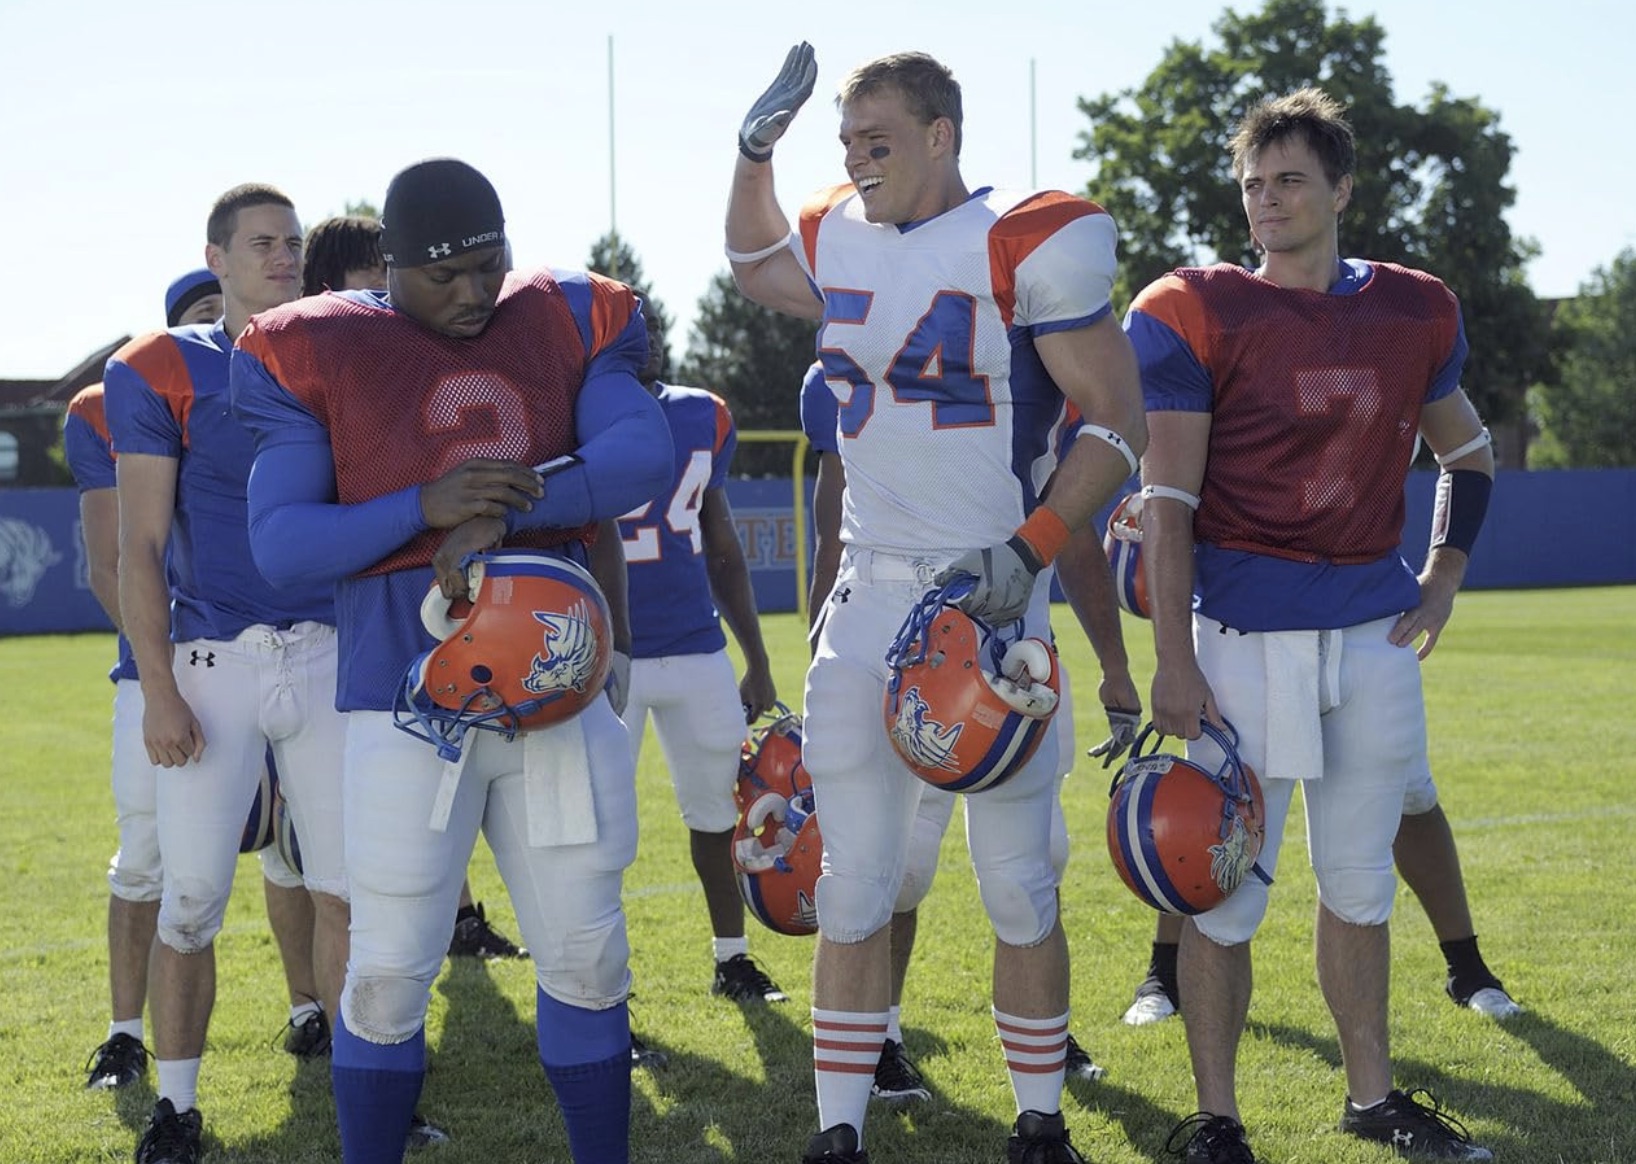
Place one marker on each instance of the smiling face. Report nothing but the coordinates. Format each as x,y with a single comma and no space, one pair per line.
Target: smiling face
1292,208
455,296
260,266
901,166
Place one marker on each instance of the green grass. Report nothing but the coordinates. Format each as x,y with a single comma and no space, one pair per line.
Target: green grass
1533,740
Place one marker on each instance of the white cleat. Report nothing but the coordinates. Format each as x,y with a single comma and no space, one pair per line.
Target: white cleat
1491,1001
1149,1008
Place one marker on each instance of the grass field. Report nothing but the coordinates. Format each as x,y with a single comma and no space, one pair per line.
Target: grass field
1534,745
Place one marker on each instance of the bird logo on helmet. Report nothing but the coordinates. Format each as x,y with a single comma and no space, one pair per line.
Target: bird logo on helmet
1184,838
777,848
530,648
1123,545
966,708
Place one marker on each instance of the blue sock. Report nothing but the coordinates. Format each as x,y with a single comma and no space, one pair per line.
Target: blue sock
376,1088
587,1058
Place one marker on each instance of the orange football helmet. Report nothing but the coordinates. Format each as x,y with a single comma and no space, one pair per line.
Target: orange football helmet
964,708
777,848
529,649
1183,838
1123,545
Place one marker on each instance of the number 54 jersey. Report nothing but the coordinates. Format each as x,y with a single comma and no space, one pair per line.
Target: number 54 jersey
927,342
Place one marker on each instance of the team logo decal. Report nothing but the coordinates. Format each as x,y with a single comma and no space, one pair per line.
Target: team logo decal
929,743
806,910
1231,860
568,660
26,553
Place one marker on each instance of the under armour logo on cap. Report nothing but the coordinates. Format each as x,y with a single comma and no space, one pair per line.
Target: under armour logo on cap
440,251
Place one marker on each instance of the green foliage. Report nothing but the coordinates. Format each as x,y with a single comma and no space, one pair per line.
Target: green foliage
612,255
1587,415
754,359
1538,791
363,208
1430,187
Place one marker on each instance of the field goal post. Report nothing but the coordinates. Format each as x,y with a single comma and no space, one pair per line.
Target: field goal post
798,479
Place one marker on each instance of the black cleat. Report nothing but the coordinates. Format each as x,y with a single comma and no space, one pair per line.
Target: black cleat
1203,1138
741,980
643,1055
309,1038
120,1061
837,1145
1414,1127
1038,1138
172,1136
423,1133
897,1080
1078,1063
475,938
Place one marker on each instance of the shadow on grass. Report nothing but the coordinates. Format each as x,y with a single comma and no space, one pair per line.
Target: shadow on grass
1536,1125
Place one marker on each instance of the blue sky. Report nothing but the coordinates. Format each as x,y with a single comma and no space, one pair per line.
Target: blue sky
122,122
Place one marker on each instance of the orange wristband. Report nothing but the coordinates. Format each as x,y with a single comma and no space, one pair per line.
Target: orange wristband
1045,533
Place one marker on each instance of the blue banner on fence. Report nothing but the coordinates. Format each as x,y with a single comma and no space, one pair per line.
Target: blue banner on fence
1567,528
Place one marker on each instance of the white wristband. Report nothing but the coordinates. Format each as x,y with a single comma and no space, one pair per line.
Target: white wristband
756,256
1114,439
1471,446
1191,500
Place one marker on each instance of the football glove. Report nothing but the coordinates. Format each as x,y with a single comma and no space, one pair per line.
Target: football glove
772,112
1122,728
1004,583
619,681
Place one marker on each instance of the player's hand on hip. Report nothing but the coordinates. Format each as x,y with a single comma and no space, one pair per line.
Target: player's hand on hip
170,730
757,692
1004,581
773,111
1428,619
480,487
1122,728
1181,697
469,537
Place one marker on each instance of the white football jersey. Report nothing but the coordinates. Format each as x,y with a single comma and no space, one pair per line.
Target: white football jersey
928,344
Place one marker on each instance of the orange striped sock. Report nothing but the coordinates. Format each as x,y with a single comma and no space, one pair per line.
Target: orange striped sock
1035,1053
846,1045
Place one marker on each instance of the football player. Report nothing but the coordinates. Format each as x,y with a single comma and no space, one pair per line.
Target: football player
683,562
1088,585
134,873
398,434
1284,404
344,254
229,662
957,322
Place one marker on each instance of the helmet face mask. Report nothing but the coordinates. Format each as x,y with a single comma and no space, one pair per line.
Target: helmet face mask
1183,838
777,847
530,649
1123,545
965,708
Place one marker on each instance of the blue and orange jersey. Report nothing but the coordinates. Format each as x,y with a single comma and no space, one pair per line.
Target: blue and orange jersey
1314,401
396,405
166,396
90,454
671,609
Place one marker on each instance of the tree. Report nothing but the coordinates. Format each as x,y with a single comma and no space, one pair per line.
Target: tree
612,256
1587,415
1429,190
755,360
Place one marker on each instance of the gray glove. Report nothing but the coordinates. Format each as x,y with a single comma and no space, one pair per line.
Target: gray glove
618,686
1005,581
772,112
1122,728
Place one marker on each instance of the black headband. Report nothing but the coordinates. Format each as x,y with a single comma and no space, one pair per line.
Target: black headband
437,209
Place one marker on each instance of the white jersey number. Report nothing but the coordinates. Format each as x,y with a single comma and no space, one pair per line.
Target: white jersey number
682,515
